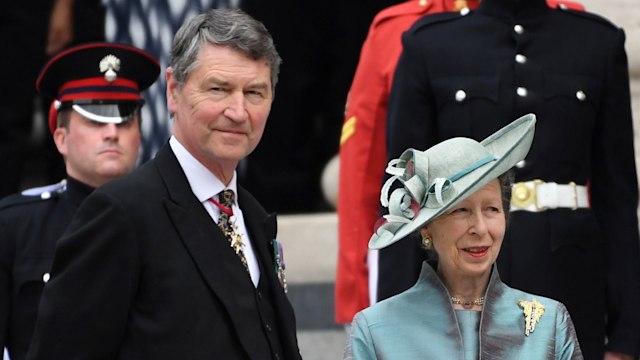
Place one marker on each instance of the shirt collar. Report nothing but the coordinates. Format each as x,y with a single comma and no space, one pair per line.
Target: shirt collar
204,184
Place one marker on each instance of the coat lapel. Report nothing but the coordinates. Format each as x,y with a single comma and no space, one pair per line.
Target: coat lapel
209,249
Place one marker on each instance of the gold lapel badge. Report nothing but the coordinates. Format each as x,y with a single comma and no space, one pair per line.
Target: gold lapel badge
533,311
109,65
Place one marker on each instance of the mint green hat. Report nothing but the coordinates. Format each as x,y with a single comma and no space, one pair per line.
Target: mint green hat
438,178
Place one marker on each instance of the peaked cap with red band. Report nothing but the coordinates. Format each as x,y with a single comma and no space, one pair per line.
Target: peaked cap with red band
96,73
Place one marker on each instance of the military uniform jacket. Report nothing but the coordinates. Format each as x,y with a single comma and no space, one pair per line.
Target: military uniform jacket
143,272
30,226
570,69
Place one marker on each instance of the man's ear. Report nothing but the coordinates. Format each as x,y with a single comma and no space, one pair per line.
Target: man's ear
60,139
172,90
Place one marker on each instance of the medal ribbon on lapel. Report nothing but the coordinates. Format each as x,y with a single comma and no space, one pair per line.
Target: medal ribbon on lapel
279,264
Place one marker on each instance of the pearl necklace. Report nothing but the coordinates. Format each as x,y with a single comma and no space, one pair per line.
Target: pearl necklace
467,303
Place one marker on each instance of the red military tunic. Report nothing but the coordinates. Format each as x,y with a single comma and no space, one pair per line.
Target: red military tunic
362,144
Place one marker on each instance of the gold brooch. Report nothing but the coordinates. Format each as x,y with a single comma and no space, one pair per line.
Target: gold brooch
533,311
109,65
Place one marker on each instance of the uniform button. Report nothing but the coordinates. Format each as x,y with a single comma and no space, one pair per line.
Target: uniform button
563,7
276,356
46,277
519,29
522,91
460,95
268,327
581,95
520,164
260,295
521,59
464,11
45,195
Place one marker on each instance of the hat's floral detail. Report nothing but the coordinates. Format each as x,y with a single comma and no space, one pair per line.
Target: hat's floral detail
109,65
418,191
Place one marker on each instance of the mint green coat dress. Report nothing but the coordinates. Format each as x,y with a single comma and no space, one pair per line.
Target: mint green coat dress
421,323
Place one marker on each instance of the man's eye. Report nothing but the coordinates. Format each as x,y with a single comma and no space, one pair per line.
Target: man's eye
255,93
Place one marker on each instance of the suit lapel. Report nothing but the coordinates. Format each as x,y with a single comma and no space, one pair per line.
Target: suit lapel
218,264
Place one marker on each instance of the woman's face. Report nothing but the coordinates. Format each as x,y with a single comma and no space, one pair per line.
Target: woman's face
468,237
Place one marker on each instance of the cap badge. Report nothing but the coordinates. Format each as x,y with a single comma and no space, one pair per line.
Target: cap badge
109,65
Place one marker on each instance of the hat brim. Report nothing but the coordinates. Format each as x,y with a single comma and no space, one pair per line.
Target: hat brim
508,145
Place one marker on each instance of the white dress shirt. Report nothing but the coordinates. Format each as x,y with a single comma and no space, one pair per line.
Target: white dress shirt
204,186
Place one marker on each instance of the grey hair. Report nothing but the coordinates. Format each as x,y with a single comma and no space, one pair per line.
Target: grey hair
227,27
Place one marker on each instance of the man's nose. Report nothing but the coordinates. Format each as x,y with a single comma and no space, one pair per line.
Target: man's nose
236,108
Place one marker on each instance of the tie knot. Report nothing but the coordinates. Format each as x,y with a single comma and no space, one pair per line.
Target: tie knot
227,197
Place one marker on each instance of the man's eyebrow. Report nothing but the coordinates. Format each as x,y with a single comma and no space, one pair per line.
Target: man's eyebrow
260,85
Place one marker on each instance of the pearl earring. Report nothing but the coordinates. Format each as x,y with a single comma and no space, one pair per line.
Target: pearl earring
426,242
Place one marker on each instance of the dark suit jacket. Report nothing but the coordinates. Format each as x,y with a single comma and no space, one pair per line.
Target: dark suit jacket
144,273
459,75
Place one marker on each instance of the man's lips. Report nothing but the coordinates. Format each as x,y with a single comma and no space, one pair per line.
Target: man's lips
110,151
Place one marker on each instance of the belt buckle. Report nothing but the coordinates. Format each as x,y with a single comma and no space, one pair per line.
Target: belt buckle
522,195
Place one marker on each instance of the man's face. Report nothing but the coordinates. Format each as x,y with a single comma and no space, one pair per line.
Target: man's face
221,110
96,153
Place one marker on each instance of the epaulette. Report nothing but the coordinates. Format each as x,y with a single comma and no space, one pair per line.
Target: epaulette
34,195
592,16
565,5
437,19
414,7
47,191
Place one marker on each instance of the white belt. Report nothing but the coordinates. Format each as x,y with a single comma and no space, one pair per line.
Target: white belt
538,195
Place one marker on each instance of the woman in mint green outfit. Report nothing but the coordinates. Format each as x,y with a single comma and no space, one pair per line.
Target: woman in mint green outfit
456,195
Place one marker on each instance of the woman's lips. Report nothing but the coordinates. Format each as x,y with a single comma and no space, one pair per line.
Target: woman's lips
477,251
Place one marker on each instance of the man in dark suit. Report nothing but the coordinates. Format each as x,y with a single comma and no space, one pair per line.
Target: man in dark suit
95,124
573,232
144,271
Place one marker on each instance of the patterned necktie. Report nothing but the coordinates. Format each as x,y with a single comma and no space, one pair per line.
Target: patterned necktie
226,199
